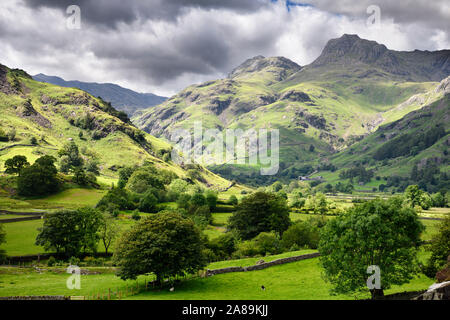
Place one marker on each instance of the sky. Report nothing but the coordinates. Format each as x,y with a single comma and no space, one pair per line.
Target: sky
163,46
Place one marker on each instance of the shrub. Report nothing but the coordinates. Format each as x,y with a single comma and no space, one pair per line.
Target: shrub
136,216
440,249
51,261
301,234
183,201
263,244
246,249
233,200
72,157
439,200
223,246
143,179
117,198
318,203
124,175
74,261
148,203
3,136
203,211
211,200
268,243
178,186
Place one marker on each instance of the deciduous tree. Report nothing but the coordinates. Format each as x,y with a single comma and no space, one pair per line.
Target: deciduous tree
165,244
384,233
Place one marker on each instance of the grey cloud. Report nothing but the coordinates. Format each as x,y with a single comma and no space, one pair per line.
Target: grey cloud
108,13
169,44
433,14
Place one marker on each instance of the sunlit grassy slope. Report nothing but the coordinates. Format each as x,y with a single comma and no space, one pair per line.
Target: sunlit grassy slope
55,115
338,106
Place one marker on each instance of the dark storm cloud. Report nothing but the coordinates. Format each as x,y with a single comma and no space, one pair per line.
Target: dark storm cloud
208,46
111,12
166,45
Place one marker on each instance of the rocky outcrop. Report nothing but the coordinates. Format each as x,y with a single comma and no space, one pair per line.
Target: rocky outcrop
27,111
5,86
217,105
16,87
297,96
444,86
437,291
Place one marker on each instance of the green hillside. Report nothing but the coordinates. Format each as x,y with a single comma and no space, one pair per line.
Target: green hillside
411,150
38,119
320,109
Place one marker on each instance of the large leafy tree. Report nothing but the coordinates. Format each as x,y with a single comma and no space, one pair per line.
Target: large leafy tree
414,195
38,179
260,212
70,232
16,164
165,244
385,233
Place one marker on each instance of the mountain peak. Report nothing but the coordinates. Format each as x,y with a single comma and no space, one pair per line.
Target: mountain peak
350,47
350,50
278,65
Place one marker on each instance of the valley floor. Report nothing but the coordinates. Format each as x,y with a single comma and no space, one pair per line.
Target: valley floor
297,280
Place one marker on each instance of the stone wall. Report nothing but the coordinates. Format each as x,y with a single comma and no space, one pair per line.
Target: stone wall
36,298
19,219
262,265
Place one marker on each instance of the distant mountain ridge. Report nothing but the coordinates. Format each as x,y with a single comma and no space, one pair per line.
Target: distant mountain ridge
122,99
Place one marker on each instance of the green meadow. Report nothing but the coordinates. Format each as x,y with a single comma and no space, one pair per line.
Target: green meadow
300,280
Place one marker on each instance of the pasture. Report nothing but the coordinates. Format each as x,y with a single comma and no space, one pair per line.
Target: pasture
300,280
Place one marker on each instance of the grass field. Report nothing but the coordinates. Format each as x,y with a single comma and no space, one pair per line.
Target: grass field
67,199
20,236
9,216
298,280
